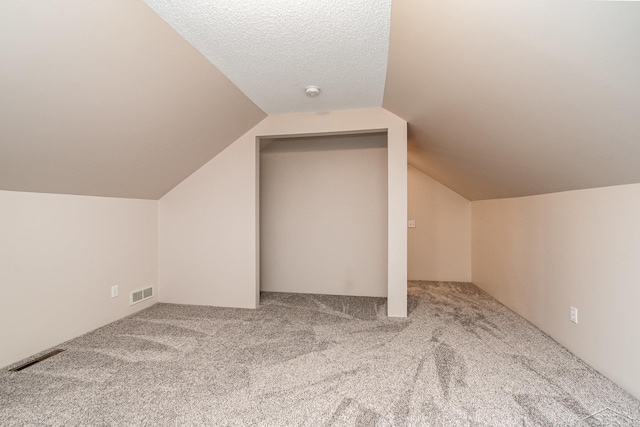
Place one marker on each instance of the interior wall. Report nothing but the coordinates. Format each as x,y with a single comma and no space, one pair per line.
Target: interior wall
323,215
59,257
540,255
209,224
206,229
440,244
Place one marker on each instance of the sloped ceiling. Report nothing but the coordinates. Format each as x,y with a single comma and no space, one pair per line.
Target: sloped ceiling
508,99
103,98
503,98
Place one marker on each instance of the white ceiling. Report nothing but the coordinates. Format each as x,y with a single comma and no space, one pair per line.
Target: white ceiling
273,49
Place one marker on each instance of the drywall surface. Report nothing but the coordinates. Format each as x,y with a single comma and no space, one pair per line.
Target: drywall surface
207,242
540,255
323,211
440,244
515,98
59,257
209,224
273,49
102,98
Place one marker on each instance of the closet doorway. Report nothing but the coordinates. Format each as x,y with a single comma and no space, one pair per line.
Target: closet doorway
323,214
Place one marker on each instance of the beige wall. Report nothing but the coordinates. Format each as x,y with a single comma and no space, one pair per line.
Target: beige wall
59,257
208,225
323,210
103,98
440,244
514,98
540,255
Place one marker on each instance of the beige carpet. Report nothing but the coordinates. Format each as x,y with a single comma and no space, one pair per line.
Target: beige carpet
460,359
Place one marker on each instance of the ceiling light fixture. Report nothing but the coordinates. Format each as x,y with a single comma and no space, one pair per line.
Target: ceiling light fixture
312,91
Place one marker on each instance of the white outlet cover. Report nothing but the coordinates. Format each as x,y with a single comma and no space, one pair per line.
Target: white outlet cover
574,315
412,223
114,291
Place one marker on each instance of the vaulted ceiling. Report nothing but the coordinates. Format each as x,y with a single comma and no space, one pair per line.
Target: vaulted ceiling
507,98
503,99
103,98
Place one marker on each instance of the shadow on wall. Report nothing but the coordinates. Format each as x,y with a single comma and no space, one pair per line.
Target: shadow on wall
323,215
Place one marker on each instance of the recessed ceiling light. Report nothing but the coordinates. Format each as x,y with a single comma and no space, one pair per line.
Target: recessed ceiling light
312,91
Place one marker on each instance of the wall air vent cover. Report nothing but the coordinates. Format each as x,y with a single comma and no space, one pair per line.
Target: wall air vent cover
141,295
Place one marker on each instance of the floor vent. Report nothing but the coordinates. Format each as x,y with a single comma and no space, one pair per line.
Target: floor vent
38,360
141,295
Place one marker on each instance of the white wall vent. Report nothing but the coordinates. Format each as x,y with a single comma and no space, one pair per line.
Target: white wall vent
140,295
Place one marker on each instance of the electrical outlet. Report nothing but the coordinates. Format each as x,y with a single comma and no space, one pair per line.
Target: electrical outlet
574,315
114,291
412,223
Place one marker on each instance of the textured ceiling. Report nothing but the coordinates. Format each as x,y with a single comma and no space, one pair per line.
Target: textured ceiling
273,49
103,98
508,99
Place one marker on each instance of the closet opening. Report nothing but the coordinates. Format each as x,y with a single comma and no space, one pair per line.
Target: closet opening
323,214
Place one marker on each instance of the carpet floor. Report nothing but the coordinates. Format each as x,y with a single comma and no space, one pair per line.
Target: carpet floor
459,359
